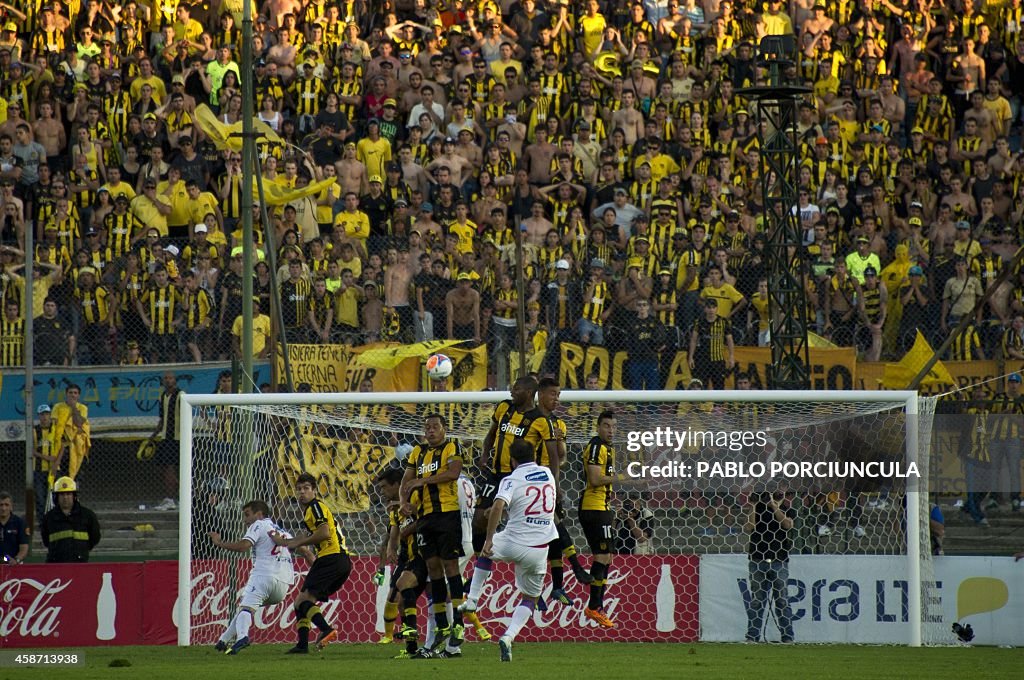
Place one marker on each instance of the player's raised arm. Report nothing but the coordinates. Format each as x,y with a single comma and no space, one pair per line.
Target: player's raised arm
483,463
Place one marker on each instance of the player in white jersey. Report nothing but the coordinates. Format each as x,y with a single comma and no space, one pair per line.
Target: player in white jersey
271,577
529,494
467,503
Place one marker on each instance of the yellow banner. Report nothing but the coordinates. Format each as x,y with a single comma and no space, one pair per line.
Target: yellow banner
225,136
470,372
833,369
344,470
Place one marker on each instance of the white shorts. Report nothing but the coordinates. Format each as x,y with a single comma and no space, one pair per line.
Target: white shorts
263,590
531,564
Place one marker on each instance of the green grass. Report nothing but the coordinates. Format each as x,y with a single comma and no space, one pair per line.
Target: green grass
540,661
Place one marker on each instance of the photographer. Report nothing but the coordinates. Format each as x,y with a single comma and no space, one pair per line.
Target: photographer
634,528
771,519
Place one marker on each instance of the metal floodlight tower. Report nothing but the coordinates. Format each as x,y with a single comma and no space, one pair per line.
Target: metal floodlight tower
777,105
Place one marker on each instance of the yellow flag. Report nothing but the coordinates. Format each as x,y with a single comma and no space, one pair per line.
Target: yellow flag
278,194
390,357
898,376
224,135
815,341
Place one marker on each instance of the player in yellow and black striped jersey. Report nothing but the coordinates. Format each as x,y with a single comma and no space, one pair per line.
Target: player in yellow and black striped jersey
511,419
409,577
551,454
330,570
430,490
596,516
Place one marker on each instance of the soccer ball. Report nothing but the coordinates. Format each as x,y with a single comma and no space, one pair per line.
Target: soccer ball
439,367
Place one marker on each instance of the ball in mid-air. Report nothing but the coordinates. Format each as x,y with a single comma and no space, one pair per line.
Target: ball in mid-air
439,366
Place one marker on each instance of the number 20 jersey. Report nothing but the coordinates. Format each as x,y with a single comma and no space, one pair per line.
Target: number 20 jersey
529,493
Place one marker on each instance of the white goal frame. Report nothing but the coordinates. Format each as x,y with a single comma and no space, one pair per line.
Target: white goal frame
905,398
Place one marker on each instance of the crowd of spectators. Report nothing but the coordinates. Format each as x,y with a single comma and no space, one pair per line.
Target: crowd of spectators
614,136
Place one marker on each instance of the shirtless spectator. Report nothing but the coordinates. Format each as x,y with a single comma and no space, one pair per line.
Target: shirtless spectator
50,134
397,280
463,310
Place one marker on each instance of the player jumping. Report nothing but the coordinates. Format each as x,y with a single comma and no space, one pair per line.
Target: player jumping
269,581
330,570
529,493
596,515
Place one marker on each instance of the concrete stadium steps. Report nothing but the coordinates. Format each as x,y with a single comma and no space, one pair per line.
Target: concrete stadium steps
120,539
1003,536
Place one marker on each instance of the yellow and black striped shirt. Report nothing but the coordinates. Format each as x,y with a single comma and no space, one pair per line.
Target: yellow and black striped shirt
599,453
294,297
429,461
666,317
199,307
94,305
406,546
978,434
711,345
160,304
541,430
322,308
45,440
966,345
509,424
12,342
872,303
509,295
595,306
1006,426
120,229
317,514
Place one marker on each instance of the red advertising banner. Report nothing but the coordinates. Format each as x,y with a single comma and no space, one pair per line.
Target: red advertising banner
654,598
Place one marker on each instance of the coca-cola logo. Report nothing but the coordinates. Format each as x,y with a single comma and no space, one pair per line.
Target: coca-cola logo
498,601
40,617
212,600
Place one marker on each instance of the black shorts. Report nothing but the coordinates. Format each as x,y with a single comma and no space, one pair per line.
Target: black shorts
440,535
599,528
327,575
489,484
417,566
167,452
463,332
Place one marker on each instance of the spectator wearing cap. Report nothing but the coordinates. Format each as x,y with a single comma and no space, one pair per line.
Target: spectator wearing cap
1007,409
862,258
45,457
463,310
917,309
964,243
960,296
872,309
625,212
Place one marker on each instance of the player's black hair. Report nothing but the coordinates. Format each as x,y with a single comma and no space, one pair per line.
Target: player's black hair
521,451
526,382
390,475
606,415
257,506
306,478
547,383
444,421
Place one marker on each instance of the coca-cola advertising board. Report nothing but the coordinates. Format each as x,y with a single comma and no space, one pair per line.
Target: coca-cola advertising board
654,597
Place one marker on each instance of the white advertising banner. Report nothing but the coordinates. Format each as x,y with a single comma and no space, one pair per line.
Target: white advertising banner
863,599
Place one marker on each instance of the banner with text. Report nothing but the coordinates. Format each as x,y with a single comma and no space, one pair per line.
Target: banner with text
344,469
965,374
863,599
831,369
120,399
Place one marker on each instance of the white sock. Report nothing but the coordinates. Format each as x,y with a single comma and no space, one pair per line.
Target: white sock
428,640
243,619
480,577
520,616
450,612
229,633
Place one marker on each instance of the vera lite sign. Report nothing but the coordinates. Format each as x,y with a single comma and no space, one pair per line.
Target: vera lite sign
119,398
863,599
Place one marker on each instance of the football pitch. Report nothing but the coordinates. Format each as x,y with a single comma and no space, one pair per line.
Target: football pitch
540,661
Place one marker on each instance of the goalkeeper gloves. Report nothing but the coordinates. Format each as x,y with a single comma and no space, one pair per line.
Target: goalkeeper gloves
378,577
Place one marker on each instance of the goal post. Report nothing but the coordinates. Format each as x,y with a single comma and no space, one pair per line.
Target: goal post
345,438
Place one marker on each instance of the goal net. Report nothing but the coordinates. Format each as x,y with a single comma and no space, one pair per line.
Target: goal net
846,472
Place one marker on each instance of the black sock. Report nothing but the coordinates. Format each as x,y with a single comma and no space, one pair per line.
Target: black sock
318,620
479,538
557,574
303,629
439,594
598,571
409,597
455,592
